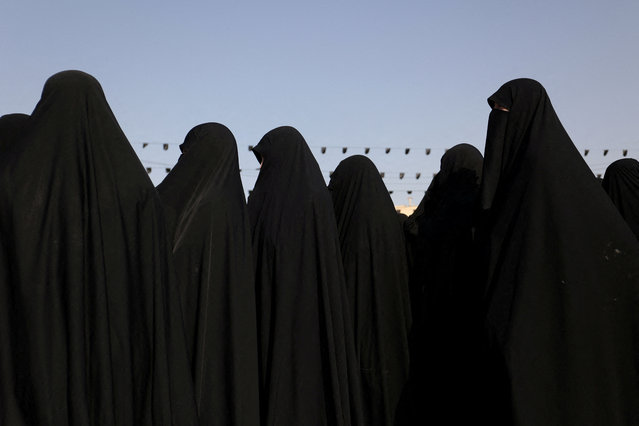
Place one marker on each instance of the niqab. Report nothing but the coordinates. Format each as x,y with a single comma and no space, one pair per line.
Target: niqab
90,322
205,206
562,274
374,259
621,182
308,368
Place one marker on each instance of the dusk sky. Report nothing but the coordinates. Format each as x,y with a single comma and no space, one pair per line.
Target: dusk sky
345,74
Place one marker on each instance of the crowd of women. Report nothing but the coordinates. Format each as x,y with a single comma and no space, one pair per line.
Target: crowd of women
510,296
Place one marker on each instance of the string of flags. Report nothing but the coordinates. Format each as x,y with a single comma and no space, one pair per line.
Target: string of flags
367,150
624,152
323,149
383,175
408,191
392,178
401,175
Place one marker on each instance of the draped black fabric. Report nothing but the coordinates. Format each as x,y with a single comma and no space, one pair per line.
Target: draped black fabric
308,367
445,292
439,232
374,259
562,274
402,218
621,182
205,206
11,126
90,321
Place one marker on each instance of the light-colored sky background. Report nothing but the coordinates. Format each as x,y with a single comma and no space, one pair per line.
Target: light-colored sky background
346,74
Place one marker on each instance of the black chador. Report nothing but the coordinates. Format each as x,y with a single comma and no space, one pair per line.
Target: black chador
208,226
90,321
11,127
374,258
562,274
440,233
308,367
621,182
446,292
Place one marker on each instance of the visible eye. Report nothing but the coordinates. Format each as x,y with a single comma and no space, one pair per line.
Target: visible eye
499,107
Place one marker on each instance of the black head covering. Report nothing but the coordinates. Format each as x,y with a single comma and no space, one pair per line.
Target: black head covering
308,368
89,318
456,183
374,258
439,232
621,182
204,201
562,273
445,292
11,127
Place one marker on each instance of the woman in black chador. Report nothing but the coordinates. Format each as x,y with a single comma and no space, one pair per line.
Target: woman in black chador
308,369
91,332
621,182
11,127
374,258
445,292
208,225
562,274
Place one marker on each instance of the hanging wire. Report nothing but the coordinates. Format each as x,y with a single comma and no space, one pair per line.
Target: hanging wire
367,149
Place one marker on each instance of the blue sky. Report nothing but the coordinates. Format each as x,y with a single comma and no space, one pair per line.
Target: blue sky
346,74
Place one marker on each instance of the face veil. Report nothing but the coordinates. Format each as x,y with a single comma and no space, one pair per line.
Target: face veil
561,272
